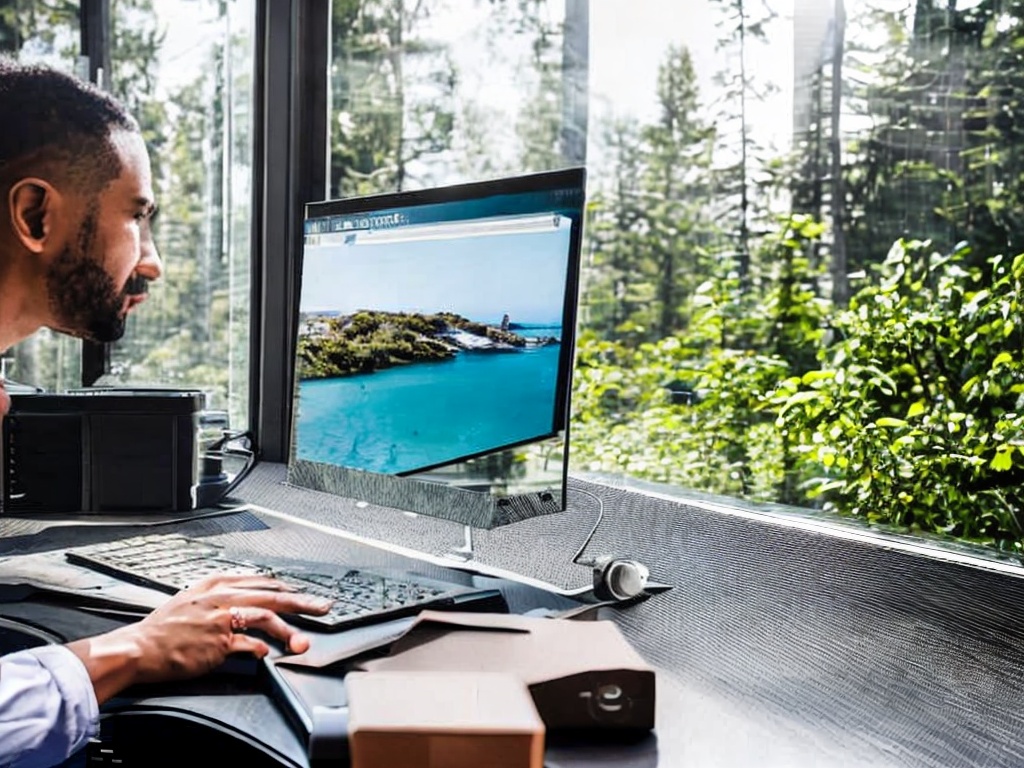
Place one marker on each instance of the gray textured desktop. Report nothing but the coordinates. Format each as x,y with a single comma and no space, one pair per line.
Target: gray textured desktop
779,645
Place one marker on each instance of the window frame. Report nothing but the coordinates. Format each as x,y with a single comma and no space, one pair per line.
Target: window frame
290,74
292,71
94,51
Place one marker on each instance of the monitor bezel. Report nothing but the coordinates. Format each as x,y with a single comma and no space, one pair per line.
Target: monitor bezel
510,185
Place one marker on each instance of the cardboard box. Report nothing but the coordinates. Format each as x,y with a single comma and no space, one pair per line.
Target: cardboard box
442,720
581,674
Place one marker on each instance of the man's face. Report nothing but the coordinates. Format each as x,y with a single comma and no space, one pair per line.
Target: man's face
105,267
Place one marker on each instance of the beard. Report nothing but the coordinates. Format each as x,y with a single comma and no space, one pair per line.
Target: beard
83,298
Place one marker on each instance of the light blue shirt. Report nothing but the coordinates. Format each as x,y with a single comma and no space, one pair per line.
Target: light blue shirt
48,708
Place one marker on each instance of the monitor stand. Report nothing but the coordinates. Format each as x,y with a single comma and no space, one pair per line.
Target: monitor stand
464,553
486,492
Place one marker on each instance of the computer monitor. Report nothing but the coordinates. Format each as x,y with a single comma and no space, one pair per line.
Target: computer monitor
434,347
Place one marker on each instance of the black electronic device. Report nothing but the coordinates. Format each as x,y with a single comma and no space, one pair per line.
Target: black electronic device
171,562
105,450
435,343
620,579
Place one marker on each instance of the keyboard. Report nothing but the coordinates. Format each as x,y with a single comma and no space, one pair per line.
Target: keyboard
171,562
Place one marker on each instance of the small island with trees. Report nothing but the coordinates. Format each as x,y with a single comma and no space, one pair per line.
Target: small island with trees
332,346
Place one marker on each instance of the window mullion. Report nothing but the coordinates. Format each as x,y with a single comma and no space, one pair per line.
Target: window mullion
292,170
95,40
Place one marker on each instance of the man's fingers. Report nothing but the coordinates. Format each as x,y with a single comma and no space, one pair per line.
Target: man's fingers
279,602
269,622
259,591
246,644
240,581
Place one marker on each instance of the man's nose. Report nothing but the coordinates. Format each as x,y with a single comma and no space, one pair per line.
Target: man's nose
150,265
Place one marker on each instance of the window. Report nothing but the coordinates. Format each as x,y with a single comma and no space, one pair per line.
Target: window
184,68
802,284
437,93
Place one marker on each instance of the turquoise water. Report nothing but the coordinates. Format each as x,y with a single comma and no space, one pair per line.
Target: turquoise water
406,418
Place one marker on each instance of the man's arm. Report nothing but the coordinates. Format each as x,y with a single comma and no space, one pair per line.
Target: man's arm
194,631
47,707
49,697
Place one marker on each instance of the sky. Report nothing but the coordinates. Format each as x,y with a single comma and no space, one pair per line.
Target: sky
628,40
191,28
480,278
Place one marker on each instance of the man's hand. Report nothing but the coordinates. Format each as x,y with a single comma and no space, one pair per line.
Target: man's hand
194,631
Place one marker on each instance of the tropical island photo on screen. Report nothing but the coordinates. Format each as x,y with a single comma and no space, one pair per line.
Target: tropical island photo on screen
368,341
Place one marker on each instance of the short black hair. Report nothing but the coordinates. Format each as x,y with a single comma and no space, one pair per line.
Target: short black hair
55,122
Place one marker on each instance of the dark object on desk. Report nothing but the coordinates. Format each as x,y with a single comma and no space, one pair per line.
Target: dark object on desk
582,674
174,735
102,451
450,719
170,562
619,579
18,636
328,737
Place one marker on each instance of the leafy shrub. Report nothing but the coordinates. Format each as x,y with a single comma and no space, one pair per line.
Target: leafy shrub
911,414
916,416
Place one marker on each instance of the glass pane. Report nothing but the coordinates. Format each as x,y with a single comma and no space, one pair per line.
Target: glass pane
441,92
687,296
752,330
47,32
802,284
184,67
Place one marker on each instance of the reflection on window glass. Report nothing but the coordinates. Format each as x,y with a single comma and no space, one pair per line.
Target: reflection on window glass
439,92
46,32
184,68
802,275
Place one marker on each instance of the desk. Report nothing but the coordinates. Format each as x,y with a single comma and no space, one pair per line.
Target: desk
232,710
778,646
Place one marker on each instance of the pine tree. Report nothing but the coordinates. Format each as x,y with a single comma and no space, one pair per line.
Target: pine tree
392,96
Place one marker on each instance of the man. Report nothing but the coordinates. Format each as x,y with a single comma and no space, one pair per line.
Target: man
76,255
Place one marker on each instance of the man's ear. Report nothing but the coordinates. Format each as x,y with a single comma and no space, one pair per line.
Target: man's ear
31,203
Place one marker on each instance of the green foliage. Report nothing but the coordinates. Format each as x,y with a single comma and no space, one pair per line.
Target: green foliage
688,409
916,416
539,127
913,415
48,27
392,94
652,235
667,412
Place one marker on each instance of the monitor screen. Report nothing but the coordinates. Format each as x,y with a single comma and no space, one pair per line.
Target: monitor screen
437,326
